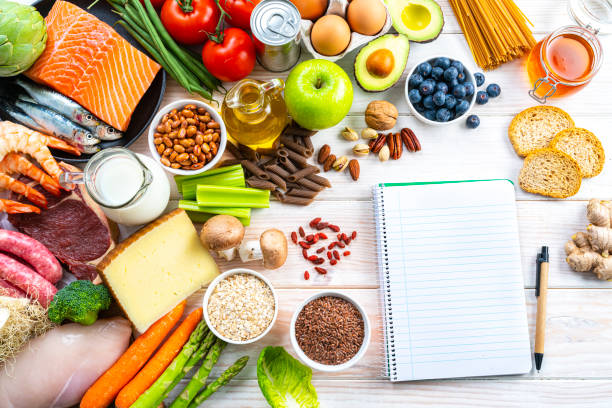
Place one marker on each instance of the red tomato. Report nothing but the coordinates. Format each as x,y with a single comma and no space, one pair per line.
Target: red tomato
239,12
156,3
233,58
190,27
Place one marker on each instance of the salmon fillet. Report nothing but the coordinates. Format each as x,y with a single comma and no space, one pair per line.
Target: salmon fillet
86,60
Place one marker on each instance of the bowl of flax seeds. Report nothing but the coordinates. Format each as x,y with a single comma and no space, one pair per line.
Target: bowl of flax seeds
330,331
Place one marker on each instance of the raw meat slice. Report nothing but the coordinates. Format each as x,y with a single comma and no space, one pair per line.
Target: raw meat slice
86,60
55,370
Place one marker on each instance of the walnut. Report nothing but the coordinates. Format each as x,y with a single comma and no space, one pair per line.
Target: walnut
381,115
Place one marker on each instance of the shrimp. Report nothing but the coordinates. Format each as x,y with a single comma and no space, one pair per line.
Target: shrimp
16,138
15,207
14,163
18,187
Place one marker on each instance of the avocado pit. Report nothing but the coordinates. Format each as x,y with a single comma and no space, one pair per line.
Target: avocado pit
380,63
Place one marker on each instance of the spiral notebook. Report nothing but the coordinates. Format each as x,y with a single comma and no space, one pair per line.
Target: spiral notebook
453,292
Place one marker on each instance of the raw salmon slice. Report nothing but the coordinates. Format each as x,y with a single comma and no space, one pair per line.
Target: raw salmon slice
86,60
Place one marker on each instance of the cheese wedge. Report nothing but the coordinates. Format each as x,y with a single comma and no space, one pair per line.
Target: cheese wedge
156,268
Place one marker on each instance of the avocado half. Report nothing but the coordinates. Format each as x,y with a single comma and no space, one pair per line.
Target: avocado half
398,46
419,20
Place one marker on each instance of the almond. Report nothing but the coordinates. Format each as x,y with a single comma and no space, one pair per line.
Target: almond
323,153
329,162
353,167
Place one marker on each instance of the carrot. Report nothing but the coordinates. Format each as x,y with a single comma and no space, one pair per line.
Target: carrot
159,362
102,393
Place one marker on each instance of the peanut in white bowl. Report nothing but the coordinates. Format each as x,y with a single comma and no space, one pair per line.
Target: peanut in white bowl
178,105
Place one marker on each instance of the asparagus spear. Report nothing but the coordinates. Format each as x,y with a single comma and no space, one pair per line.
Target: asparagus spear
159,386
199,379
193,360
220,382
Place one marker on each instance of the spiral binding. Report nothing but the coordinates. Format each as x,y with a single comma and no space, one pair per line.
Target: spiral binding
383,267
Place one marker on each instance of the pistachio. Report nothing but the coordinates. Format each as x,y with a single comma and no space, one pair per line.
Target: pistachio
361,149
384,153
340,163
349,134
369,133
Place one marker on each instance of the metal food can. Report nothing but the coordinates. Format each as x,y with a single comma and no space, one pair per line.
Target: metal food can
275,25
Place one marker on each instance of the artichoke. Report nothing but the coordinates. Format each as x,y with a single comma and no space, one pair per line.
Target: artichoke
23,36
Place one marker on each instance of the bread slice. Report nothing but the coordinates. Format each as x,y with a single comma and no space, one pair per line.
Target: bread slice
535,127
551,173
584,147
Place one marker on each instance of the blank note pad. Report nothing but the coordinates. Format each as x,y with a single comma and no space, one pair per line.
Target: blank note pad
452,284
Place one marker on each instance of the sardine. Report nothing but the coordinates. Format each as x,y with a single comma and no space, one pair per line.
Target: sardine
69,108
51,122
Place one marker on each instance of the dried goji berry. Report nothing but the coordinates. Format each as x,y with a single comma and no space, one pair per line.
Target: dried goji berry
336,255
315,222
321,225
333,262
339,236
346,253
306,275
334,228
313,258
322,271
294,237
332,245
354,235
322,235
329,255
305,253
319,261
309,237
340,244
320,250
302,233
304,245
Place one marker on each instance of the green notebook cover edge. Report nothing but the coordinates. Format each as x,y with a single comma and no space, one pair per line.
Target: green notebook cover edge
421,183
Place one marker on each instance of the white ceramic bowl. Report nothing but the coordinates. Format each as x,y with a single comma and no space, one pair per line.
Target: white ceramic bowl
469,76
177,105
210,290
325,367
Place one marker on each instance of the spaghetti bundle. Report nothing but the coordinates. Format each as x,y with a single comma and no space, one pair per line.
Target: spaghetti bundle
496,30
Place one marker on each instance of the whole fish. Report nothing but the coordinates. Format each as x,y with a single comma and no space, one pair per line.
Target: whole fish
53,123
69,108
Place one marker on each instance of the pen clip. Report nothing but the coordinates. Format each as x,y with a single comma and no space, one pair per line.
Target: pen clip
542,257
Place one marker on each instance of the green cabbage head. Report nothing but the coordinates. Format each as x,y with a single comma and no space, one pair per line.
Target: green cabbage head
23,36
284,381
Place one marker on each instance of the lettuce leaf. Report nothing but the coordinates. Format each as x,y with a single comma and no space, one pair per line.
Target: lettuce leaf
284,381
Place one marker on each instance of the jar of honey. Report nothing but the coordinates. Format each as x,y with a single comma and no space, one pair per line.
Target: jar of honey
568,58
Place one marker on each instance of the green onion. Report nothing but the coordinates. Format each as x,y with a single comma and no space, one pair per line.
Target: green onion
221,196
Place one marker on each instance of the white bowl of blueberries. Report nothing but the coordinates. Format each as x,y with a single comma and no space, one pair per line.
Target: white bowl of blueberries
441,90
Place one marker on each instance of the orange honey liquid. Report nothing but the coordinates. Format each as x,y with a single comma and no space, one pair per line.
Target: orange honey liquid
570,59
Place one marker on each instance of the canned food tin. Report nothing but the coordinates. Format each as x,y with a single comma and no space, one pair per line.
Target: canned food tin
275,25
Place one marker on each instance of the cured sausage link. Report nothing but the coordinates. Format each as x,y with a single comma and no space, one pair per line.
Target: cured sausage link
26,279
33,252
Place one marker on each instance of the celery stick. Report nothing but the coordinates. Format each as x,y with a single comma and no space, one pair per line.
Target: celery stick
221,196
239,212
203,217
179,180
230,179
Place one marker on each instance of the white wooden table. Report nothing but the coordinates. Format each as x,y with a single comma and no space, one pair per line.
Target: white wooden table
577,369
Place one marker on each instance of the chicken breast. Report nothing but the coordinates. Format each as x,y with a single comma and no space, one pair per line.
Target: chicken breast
56,369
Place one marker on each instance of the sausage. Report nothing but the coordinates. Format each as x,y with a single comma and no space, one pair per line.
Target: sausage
33,252
6,289
26,279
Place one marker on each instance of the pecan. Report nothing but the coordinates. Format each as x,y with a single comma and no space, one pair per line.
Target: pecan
378,143
410,140
353,167
398,146
329,162
324,152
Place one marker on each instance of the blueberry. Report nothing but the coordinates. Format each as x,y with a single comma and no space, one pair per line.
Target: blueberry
472,121
424,69
480,78
419,107
493,90
414,96
453,83
459,91
439,98
482,97
442,62
450,73
437,73
441,86
458,65
426,87
430,114
461,77
428,102
469,88
415,80
461,107
450,102
443,115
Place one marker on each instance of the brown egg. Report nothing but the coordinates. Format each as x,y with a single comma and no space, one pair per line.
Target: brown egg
311,9
330,35
366,17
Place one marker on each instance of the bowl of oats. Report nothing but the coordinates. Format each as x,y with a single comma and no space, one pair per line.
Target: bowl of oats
240,306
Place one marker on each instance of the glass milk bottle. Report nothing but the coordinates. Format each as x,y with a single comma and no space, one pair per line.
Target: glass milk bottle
131,188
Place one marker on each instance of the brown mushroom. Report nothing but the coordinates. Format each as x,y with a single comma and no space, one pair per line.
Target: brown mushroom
222,232
274,248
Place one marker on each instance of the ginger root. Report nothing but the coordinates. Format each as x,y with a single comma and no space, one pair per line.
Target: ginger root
589,251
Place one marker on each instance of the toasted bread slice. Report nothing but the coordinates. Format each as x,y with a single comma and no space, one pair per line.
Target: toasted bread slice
584,147
535,127
551,173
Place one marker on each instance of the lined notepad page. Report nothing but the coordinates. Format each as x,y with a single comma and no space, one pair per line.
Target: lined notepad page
453,287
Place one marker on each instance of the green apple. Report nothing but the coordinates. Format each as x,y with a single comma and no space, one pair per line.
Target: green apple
318,94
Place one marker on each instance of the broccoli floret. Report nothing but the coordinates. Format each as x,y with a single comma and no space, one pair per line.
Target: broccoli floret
79,302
